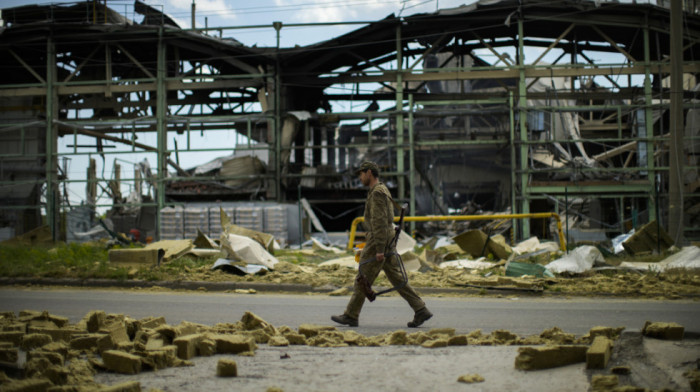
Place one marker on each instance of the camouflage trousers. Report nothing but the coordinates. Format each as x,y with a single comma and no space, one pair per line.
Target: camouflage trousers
392,271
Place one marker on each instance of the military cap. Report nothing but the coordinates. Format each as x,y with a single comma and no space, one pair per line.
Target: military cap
368,165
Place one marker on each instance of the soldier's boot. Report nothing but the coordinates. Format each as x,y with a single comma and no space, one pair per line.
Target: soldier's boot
345,320
419,318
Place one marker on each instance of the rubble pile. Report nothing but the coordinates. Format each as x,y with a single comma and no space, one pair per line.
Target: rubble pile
62,356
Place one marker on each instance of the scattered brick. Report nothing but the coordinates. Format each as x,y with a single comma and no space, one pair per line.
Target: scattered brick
310,330
295,338
227,368
206,347
86,341
602,382
233,344
436,343
458,340
29,385
187,345
129,386
55,358
10,355
442,331
470,378
665,331
13,337
598,354
121,362
152,322
398,338
34,340
533,358
278,341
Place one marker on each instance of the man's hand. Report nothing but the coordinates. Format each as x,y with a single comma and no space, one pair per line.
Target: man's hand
380,256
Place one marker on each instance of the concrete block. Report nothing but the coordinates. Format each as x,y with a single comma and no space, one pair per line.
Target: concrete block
458,340
10,355
155,343
121,362
600,382
598,354
533,358
442,331
57,334
86,341
310,330
34,340
665,331
129,386
435,343
233,344
13,337
152,322
295,338
105,343
58,375
187,345
57,347
278,341
226,368
41,324
117,330
15,327
95,320
470,378
398,338
159,359
36,367
29,385
206,347
55,358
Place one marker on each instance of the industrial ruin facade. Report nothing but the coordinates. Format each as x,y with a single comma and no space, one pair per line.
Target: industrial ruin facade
520,106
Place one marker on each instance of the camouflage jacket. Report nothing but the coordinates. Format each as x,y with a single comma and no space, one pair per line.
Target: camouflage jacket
379,218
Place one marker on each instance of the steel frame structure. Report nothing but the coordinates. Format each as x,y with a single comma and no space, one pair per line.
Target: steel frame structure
152,78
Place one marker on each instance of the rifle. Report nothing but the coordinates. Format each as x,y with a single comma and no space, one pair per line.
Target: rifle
364,284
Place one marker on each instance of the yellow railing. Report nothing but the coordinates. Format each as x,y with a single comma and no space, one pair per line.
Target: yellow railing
428,218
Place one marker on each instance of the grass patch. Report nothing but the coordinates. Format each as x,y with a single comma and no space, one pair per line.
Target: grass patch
71,260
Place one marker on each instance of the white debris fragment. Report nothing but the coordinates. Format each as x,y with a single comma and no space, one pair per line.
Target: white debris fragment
579,260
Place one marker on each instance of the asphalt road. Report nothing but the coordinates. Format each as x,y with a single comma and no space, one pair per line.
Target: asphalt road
523,315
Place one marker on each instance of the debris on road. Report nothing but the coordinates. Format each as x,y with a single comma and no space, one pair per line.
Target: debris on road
121,344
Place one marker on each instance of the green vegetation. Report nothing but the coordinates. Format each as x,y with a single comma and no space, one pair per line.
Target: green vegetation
72,260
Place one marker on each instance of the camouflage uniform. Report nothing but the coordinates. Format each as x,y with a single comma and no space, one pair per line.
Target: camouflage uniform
379,217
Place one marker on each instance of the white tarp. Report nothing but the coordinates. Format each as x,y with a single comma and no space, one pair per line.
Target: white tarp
688,258
533,244
579,260
317,245
240,248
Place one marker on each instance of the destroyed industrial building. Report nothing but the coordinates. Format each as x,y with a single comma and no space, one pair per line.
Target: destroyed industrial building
502,106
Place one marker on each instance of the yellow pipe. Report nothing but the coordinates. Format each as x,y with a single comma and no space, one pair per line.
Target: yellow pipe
562,246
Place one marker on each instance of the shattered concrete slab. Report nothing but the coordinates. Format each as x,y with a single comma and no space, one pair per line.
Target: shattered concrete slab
478,244
647,239
172,248
536,358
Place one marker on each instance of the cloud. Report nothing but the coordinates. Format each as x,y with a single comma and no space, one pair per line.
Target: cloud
317,11
209,8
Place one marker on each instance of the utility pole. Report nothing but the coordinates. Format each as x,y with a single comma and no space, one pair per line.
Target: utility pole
675,153
194,6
